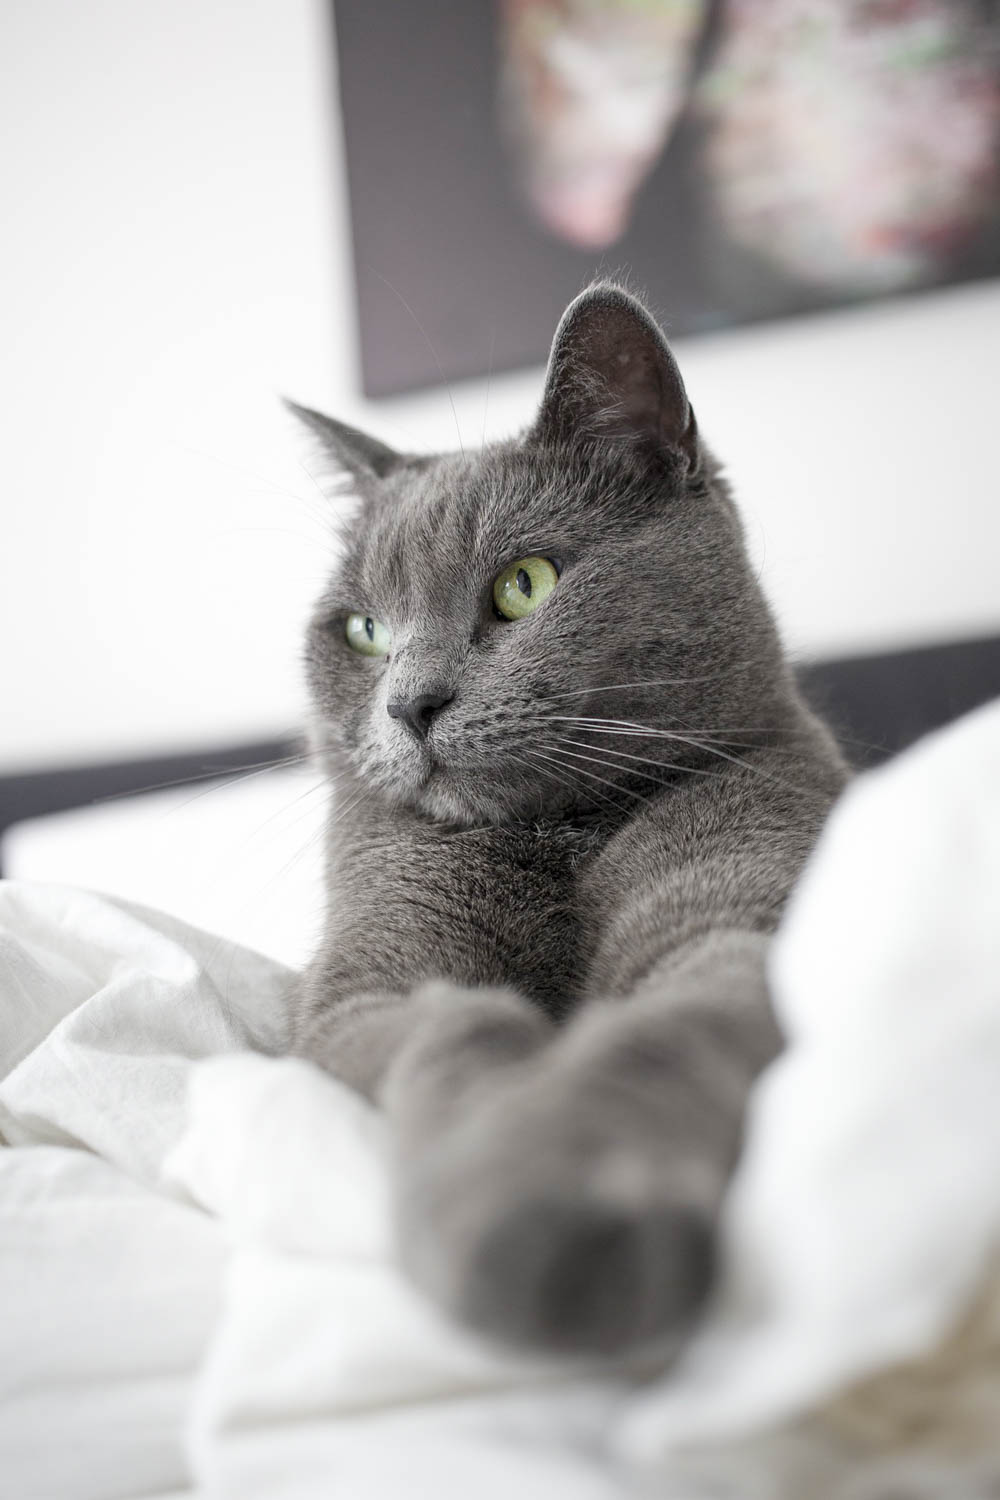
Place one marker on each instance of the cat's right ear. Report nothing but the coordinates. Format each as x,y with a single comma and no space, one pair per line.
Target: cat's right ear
611,374
364,458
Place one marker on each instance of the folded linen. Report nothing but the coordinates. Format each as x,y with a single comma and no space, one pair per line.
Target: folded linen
109,1285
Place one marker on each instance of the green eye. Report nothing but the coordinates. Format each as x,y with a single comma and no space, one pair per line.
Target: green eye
520,589
368,636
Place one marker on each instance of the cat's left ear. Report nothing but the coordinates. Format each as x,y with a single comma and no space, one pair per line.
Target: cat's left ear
359,455
611,374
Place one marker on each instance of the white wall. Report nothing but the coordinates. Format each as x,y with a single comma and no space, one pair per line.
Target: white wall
175,252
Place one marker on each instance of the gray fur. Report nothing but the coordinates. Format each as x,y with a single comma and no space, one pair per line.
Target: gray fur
548,920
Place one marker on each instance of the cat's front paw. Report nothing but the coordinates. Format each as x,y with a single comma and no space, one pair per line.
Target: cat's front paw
356,1039
575,1275
425,1048
558,1242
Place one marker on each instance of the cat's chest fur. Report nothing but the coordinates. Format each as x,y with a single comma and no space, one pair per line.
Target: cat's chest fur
492,905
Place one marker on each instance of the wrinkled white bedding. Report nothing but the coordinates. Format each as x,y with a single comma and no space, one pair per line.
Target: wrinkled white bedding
198,1293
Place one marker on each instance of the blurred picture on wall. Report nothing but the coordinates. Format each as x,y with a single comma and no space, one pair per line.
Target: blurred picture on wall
738,159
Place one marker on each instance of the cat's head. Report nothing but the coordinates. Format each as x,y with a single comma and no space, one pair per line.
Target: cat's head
516,631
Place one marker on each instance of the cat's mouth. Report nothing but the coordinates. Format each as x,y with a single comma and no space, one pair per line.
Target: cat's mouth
421,770
456,787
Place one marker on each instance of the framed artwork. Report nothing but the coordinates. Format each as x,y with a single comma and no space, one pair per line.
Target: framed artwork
736,159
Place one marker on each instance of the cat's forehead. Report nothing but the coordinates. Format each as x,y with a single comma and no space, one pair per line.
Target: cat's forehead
446,521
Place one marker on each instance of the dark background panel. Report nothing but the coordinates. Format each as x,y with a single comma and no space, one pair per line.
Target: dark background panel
437,226
880,704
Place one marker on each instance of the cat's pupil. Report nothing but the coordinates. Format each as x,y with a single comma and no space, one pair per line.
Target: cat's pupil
524,582
369,627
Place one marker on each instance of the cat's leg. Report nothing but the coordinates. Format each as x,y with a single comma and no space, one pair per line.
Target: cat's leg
447,1039
433,931
573,1205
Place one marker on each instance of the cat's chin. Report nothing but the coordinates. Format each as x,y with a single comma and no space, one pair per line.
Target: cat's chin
459,795
468,801
449,804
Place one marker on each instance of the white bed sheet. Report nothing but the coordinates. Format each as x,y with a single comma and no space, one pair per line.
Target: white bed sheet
242,858
197,1254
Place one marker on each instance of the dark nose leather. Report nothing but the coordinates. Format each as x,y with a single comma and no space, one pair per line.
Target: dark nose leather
418,712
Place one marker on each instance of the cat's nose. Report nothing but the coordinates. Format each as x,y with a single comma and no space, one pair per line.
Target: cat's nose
418,712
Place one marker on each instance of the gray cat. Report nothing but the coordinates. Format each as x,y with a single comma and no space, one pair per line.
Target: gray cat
575,783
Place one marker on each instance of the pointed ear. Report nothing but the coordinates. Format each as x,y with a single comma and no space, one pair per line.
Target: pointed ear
359,455
611,373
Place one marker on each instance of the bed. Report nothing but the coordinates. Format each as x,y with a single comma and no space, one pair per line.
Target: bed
195,1236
